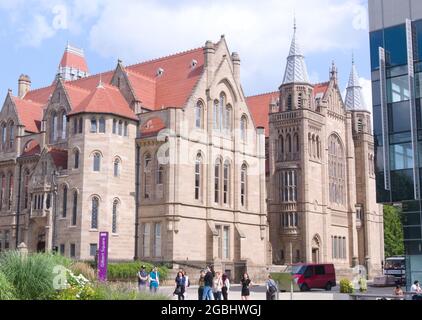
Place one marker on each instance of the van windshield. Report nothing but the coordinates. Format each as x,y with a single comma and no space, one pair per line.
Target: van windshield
295,269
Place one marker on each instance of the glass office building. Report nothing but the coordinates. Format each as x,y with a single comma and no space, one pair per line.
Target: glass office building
396,63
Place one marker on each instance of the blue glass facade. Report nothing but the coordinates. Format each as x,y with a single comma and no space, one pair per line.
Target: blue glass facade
396,178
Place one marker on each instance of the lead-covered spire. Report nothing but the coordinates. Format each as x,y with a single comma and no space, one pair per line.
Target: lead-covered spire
296,71
354,96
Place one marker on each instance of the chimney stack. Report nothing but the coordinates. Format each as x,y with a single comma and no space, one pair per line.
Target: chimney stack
24,85
236,66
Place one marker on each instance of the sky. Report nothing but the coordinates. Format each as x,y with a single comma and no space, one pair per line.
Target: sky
34,33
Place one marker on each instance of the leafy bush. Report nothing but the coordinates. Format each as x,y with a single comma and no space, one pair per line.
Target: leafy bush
33,275
127,271
121,291
85,269
7,291
76,287
346,286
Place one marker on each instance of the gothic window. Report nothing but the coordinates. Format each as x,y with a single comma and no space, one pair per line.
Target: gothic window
290,220
217,179
116,167
75,208
199,107
360,125
2,190
288,186
289,103
95,202
160,174
336,171
147,175
221,111
102,125
53,127
114,216
94,125
226,183
64,202
11,135
97,162
318,146
11,182
76,155
243,185
198,177
243,128
63,125
228,119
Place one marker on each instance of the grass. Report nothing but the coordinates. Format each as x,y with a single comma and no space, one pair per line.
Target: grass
7,291
123,291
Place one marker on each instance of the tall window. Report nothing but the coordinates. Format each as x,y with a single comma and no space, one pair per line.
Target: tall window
26,189
95,202
199,107
120,128
11,135
75,208
157,240
243,184
114,126
217,169
117,168
11,181
289,103
3,135
53,127
114,218
126,129
2,190
147,175
299,101
226,243
64,125
81,123
97,162
243,128
289,143
280,148
288,186
336,168
226,183
76,159
290,220
75,126
198,176
102,125
146,236
216,115
64,202
228,119
94,125
160,174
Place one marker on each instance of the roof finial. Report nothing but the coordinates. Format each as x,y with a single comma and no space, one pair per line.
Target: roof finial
353,57
100,84
294,21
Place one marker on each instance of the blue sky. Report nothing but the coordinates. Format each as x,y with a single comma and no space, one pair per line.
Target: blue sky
34,33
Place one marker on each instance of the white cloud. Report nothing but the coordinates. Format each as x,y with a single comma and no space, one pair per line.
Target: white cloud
36,32
367,92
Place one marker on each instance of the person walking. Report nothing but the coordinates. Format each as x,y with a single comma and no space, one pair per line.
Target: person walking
201,284
208,283
246,284
142,279
187,283
180,286
226,287
398,292
154,280
416,288
271,288
217,286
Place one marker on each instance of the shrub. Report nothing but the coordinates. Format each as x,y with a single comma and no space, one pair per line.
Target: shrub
7,291
33,276
76,287
85,269
127,271
346,286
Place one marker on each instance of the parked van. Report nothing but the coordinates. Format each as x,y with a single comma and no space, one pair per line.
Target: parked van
313,276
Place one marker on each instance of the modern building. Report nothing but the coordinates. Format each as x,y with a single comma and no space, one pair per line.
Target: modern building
321,182
396,65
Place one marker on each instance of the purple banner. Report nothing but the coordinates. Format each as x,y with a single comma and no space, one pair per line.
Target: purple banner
102,257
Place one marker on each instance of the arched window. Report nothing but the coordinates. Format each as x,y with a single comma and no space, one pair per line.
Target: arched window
336,174
114,216
75,208
217,179
243,185
94,125
318,146
53,127
76,159
280,148
199,107
289,143
102,125
160,174
81,123
11,183
11,135
3,136
95,202
116,167
97,162
289,103
221,111
26,190
216,115
64,125
64,202
2,190
120,128
126,129
198,177
226,183
147,175
243,128
296,142
228,119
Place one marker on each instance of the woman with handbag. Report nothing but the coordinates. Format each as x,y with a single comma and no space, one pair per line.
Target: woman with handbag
180,286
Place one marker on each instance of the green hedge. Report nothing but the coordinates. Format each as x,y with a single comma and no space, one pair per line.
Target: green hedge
7,291
127,271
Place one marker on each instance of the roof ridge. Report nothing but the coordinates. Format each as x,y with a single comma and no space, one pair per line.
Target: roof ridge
76,87
262,94
174,55
321,83
39,89
137,73
27,100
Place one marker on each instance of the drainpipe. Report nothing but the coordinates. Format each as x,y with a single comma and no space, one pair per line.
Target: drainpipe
54,185
137,185
18,206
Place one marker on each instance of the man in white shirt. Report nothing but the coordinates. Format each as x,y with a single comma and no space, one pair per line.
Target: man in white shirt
415,288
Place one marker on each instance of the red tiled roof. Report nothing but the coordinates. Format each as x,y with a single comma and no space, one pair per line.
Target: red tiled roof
321,88
76,94
259,107
152,127
29,113
40,95
91,82
59,157
73,60
176,84
105,99
144,88
31,149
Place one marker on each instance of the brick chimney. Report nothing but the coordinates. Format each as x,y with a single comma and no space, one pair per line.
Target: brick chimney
24,85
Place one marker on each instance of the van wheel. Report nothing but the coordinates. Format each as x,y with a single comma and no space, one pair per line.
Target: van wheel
328,286
304,287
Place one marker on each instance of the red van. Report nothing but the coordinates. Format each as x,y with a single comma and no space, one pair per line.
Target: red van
313,276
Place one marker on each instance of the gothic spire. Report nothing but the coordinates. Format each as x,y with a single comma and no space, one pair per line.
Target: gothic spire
354,96
296,71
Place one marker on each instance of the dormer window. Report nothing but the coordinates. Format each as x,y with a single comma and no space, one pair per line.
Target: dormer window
160,72
193,63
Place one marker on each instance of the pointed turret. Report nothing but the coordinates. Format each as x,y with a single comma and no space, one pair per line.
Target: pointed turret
296,71
354,96
73,65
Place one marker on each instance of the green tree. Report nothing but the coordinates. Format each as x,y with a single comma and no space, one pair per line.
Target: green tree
393,232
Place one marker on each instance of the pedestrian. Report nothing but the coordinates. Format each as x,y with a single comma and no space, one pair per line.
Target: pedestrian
180,286
246,284
142,279
226,287
187,283
415,288
208,283
201,284
217,286
154,280
398,292
271,288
